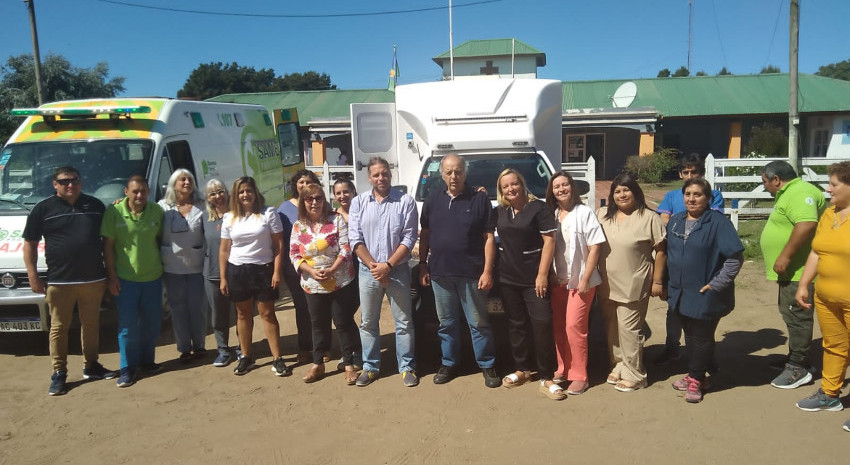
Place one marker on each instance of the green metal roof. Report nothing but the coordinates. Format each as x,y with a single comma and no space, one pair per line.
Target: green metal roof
312,104
670,97
716,95
493,47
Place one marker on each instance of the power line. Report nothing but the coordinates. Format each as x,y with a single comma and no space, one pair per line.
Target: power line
773,36
719,36
269,15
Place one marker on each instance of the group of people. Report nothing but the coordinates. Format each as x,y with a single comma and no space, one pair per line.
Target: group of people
554,257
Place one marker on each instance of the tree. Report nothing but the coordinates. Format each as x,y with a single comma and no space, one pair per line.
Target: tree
724,72
770,69
664,73
212,79
701,73
60,81
682,72
767,140
840,70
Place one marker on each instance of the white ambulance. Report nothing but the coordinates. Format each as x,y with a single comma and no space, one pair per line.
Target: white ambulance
108,140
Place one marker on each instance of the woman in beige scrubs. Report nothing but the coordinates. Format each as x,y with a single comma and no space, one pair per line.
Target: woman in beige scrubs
632,269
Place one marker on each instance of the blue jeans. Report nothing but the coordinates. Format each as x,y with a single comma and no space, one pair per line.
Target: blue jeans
222,313
451,296
371,298
139,321
188,314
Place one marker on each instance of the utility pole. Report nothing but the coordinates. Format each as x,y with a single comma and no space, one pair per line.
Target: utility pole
35,55
793,112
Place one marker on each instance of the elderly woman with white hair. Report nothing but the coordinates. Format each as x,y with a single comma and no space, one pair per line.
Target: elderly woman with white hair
182,252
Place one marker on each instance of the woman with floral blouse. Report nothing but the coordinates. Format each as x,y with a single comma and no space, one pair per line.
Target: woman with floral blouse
320,252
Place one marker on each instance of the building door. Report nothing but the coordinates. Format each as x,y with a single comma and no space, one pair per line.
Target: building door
595,144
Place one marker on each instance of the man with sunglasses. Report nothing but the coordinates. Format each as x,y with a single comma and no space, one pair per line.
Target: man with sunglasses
70,224
691,166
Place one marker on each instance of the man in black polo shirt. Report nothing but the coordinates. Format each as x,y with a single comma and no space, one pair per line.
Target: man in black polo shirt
69,222
454,229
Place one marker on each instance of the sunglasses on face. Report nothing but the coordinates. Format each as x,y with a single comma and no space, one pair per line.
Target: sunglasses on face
68,182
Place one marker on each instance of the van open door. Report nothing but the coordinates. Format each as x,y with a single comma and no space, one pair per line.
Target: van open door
373,134
289,138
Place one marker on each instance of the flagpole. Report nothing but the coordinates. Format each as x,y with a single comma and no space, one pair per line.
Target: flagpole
451,44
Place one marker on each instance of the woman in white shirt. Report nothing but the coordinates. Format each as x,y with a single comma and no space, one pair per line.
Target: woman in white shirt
250,261
577,245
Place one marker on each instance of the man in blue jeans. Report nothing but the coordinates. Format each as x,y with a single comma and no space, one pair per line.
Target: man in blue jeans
382,232
131,230
690,166
454,229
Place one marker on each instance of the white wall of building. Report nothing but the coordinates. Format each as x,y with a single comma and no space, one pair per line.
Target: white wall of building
839,144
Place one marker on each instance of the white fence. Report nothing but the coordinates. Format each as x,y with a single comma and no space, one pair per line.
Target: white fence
740,203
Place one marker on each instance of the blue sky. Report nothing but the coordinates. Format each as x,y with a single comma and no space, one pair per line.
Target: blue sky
156,50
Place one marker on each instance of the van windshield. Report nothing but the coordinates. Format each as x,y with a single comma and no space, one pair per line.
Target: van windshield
483,170
26,170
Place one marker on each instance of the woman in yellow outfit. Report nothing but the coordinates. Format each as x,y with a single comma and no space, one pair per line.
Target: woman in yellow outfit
829,261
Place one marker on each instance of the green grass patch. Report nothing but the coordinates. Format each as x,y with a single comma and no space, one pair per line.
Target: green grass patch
750,232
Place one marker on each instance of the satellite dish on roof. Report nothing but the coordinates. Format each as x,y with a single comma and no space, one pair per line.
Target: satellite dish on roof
624,95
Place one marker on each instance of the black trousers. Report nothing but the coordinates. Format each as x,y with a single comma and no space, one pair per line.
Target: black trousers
299,301
338,306
529,323
699,344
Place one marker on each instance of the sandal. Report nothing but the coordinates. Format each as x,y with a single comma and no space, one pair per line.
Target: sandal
612,379
350,375
516,379
316,373
552,391
629,386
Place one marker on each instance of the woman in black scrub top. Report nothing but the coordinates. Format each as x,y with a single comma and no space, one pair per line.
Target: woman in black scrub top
526,228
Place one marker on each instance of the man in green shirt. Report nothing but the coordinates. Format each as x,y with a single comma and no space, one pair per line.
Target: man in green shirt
786,242
131,230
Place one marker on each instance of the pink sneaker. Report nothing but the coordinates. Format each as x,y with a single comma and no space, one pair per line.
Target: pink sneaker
682,384
694,393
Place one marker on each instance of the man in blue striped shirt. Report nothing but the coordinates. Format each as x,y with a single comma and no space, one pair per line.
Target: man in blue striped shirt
382,231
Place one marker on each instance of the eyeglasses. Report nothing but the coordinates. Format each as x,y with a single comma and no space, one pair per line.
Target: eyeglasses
68,181
216,193
314,199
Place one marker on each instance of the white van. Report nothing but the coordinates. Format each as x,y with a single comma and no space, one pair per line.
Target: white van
108,140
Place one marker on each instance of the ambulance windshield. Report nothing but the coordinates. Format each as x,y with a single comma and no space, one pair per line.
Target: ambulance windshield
26,170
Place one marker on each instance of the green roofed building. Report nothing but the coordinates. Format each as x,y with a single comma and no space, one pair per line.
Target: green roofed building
503,58
610,119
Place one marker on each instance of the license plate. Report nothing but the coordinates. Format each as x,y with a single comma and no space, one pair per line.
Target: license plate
20,325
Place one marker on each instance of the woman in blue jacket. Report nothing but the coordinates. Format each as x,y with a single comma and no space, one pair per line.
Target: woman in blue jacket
704,254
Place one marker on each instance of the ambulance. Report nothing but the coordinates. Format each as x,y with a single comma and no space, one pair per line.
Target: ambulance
109,140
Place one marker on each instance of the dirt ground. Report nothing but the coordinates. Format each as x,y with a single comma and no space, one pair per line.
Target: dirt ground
202,414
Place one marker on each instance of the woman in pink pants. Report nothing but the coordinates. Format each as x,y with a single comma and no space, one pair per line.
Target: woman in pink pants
578,241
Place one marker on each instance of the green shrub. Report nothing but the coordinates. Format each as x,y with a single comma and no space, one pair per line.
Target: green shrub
654,167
